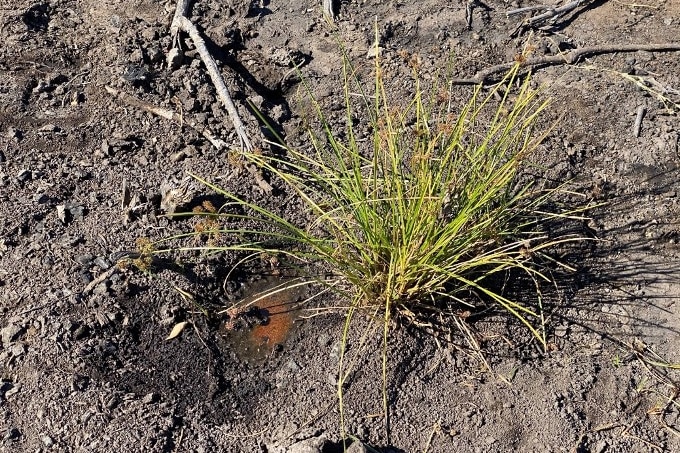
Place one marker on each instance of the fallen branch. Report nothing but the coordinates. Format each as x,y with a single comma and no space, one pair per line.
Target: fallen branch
572,57
551,13
181,23
181,10
219,144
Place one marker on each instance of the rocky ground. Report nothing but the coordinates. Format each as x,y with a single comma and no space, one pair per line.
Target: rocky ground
85,361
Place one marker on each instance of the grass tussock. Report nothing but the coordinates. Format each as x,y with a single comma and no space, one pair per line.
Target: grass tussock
427,211
424,214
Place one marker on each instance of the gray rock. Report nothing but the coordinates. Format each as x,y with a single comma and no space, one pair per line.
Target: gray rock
150,398
356,447
16,388
313,445
24,175
10,333
102,263
12,434
61,213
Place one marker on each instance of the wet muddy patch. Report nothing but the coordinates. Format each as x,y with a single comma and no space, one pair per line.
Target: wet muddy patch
263,320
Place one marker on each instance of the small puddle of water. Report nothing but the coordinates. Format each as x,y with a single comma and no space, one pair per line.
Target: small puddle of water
278,304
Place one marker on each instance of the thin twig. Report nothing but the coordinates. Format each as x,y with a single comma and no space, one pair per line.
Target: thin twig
173,116
180,22
571,57
469,7
468,13
638,120
167,114
100,278
646,83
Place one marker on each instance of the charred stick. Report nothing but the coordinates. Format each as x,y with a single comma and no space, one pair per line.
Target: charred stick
574,56
550,12
528,9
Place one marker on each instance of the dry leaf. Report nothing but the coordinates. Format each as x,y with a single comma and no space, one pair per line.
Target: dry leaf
177,329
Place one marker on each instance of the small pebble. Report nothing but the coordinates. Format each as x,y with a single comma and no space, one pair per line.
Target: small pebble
178,156
12,434
18,350
81,332
16,388
24,175
84,259
150,398
14,133
76,211
561,331
61,213
10,333
357,447
102,263
46,440
40,198
175,57
373,52
49,128
101,289
601,446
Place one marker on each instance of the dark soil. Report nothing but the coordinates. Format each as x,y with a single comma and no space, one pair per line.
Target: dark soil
93,371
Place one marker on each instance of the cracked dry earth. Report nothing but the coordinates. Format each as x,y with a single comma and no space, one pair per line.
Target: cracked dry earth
92,370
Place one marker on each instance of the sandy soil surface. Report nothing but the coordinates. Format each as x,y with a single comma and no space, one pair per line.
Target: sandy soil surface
82,176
